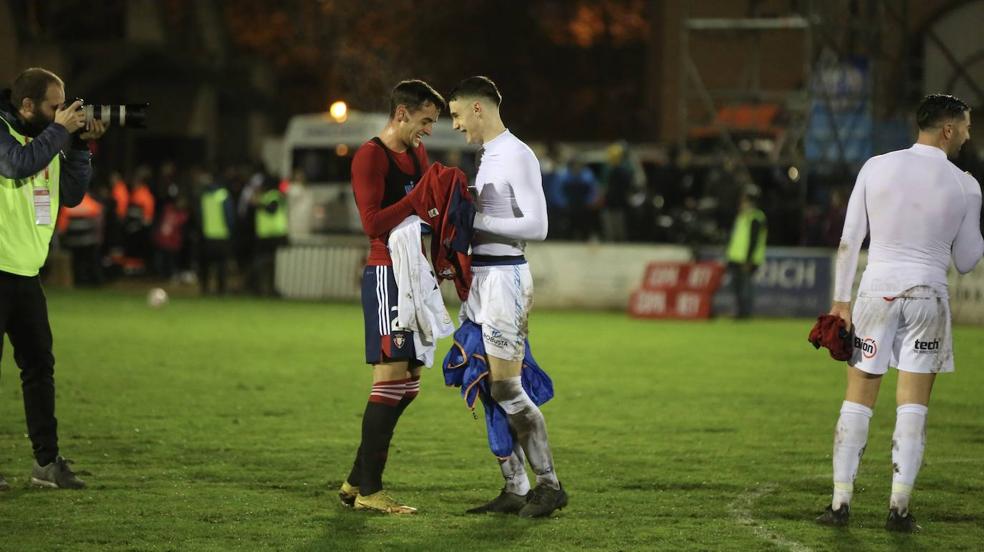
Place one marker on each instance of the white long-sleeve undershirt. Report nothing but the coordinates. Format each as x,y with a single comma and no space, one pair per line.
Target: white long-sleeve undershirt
921,211
511,207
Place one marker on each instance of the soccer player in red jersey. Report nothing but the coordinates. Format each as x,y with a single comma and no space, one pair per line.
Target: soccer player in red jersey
384,171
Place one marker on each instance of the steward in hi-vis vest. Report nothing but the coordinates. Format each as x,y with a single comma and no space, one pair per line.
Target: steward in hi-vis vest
216,216
746,251
271,233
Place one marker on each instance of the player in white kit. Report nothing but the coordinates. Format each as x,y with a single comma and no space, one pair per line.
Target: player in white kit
511,210
920,211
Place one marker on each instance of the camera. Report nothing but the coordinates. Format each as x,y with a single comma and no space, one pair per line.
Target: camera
127,115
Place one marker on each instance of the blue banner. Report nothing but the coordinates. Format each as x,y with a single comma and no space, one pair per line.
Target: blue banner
841,126
793,282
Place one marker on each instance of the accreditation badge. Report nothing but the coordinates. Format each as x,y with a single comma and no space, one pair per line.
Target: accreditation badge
42,207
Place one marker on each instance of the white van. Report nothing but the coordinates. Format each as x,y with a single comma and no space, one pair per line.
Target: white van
317,161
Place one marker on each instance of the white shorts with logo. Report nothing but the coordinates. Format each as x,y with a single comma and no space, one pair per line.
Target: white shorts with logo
500,300
910,331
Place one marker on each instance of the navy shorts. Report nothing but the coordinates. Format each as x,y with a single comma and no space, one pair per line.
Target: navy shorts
379,309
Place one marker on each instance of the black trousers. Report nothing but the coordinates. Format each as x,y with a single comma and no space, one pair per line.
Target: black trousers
214,254
744,288
24,318
264,265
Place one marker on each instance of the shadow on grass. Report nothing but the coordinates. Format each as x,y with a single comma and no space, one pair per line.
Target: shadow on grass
902,541
851,539
842,540
352,530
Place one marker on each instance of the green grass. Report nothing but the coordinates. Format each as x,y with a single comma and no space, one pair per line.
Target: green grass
228,424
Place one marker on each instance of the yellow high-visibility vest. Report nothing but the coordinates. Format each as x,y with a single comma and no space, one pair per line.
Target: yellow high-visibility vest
24,242
741,234
271,225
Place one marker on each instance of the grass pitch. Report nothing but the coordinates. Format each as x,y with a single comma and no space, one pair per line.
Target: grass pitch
228,424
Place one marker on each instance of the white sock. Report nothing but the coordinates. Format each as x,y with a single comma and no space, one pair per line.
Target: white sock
514,471
850,438
908,444
527,421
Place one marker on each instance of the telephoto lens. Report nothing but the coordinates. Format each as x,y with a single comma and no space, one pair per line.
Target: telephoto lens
128,115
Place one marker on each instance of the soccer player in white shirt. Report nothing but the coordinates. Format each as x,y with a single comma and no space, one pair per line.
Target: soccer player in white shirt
511,210
920,211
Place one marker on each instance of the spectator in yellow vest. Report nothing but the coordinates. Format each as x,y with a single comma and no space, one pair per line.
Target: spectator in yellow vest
746,251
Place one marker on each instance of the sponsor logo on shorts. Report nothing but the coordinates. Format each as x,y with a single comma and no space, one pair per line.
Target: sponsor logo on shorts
494,337
927,346
868,346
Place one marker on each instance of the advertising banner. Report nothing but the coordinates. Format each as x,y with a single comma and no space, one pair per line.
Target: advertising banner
792,282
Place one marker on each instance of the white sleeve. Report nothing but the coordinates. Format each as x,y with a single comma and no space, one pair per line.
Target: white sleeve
528,190
968,246
855,230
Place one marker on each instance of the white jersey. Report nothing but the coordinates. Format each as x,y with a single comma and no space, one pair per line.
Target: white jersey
420,307
510,203
920,210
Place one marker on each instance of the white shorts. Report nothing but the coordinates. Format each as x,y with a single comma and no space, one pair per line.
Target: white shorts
910,331
500,300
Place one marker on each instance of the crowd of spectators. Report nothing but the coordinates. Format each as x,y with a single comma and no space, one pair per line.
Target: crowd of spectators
665,195
160,223
154,222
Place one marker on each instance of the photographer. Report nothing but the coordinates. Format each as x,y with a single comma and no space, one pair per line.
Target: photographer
44,163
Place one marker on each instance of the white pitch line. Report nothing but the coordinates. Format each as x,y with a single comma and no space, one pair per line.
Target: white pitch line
741,510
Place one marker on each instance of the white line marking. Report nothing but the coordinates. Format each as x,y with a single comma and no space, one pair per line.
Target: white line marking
741,510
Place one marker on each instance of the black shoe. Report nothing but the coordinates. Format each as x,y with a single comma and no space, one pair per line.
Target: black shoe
901,523
505,503
56,475
835,518
543,500
4,486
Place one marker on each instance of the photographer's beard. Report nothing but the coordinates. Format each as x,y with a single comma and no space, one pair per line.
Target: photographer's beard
36,122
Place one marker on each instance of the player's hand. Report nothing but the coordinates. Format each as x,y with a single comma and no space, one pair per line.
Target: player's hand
843,310
94,130
71,117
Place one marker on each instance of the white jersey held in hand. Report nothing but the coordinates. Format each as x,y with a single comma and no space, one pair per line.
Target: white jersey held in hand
420,307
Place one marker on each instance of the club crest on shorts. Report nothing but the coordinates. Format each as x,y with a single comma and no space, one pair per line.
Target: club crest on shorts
399,339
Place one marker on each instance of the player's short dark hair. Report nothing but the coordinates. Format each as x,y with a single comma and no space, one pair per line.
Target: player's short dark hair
33,83
477,87
937,109
414,94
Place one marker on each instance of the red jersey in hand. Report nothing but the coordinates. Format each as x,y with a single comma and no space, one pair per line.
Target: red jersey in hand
381,180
